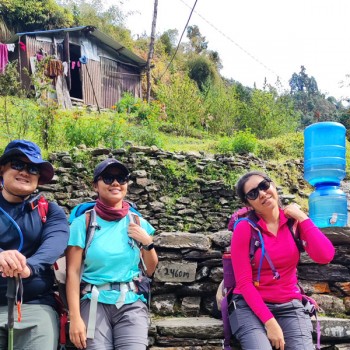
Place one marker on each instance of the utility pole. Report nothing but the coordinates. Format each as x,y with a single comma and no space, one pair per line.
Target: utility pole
151,50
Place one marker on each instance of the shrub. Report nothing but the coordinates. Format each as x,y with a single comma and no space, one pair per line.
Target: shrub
183,102
224,145
244,142
87,130
289,145
127,103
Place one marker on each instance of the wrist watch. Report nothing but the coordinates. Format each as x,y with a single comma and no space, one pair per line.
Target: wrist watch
148,247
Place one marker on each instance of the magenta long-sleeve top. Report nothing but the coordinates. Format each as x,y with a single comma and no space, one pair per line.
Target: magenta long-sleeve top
284,255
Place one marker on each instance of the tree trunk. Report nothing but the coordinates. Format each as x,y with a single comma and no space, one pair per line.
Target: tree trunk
151,50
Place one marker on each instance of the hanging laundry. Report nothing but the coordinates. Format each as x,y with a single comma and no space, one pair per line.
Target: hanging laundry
73,64
65,68
39,57
4,57
11,47
78,64
83,59
53,69
22,46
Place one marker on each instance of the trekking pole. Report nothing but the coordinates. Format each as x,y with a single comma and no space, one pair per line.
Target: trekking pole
11,296
12,283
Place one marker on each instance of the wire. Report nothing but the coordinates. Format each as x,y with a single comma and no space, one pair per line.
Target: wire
235,43
178,45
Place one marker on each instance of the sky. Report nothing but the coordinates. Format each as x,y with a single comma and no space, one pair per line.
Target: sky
257,39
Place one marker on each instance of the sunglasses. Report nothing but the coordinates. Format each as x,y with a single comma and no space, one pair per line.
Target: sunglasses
19,165
253,194
108,179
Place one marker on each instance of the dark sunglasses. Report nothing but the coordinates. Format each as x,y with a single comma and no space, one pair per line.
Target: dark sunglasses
253,194
19,165
108,179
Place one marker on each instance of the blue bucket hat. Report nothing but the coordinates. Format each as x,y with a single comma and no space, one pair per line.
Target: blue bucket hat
33,153
109,162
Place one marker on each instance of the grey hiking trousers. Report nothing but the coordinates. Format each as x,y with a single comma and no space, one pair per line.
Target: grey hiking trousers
38,329
292,318
118,329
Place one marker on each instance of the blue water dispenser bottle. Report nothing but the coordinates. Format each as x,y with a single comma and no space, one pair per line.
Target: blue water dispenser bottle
324,168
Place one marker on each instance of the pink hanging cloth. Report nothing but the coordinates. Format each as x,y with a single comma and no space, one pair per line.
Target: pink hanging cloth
4,57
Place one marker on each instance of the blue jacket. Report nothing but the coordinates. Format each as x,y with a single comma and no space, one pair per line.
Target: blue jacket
43,243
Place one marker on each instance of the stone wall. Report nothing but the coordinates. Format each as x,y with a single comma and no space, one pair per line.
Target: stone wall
188,198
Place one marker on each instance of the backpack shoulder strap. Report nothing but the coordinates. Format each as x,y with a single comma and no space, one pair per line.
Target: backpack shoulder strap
40,202
91,226
293,228
134,218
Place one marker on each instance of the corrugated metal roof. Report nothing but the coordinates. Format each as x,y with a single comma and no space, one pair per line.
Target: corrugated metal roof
93,31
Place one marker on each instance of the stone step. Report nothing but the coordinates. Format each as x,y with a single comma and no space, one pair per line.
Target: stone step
205,333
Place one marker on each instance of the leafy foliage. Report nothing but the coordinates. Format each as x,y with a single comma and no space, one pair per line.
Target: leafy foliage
30,15
110,21
197,40
269,115
289,146
242,142
223,107
183,102
201,70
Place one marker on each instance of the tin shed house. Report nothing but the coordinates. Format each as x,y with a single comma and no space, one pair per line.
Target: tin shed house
85,64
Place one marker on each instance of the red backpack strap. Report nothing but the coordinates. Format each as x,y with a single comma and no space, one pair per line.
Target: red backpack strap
42,204
43,208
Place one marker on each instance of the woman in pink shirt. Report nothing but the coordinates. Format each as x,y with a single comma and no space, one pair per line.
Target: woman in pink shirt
267,311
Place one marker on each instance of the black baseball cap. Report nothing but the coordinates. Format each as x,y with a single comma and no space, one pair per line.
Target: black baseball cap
107,163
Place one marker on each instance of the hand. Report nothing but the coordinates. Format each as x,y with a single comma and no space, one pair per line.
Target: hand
293,211
139,234
275,334
26,272
12,263
77,333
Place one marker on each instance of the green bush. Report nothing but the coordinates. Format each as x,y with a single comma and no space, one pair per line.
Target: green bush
224,145
184,105
127,103
242,142
113,133
289,146
87,130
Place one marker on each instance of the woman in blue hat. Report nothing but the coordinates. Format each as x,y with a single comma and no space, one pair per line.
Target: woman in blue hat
29,244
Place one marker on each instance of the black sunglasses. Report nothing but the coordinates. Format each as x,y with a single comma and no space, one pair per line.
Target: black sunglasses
108,179
20,165
253,194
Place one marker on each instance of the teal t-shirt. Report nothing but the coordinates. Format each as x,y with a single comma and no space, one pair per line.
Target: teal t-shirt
112,256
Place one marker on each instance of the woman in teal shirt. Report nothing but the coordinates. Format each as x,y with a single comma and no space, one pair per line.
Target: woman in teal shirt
111,314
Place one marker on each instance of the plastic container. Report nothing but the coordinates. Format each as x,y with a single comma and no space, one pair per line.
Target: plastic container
328,206
229,277
324,153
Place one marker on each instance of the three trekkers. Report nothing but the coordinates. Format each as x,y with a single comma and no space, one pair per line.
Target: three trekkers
111,313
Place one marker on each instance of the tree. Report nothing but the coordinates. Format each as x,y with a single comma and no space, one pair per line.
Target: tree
197,41
302,82
168,39
151,50
110,21
215,58
30,15
201,70
269,115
